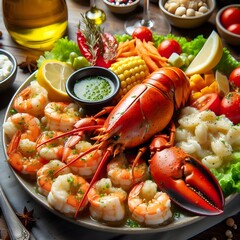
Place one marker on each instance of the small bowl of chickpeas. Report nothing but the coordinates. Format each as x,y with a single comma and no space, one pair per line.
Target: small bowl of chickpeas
187,13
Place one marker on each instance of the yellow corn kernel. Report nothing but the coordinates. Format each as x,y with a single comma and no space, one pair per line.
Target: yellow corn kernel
131,71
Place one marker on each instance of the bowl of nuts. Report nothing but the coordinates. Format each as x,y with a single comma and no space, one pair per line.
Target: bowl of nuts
122,6
187,13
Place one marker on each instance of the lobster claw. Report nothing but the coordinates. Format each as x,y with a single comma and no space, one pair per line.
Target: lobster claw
188,183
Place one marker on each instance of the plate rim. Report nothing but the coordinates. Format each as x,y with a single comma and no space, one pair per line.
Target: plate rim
90,223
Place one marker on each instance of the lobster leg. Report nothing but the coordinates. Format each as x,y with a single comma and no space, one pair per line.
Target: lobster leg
105,110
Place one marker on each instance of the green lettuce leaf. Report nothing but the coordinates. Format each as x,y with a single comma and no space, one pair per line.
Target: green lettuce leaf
188,47
227,63
60,51
122,37
229,176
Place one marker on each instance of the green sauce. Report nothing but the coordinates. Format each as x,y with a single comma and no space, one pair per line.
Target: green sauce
93,88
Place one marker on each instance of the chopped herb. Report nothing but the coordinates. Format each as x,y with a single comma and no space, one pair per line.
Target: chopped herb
132,224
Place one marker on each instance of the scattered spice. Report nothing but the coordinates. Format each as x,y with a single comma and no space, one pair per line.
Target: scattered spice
229,234
26,218
29,65
230,222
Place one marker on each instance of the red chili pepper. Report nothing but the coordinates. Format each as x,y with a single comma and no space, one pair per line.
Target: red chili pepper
81,40
99,55
102,63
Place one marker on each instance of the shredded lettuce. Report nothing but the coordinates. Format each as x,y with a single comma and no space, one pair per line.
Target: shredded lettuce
60,51
123,37
229,176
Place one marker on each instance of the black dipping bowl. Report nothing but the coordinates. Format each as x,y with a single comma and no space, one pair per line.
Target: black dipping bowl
93,71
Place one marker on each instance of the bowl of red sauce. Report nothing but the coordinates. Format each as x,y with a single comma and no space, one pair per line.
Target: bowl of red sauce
93,87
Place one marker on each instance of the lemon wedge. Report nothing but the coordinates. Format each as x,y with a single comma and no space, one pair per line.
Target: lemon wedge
52,75
208,57
223,83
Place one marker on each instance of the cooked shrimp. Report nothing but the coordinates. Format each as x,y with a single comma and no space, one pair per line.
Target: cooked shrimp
66,193
46,175
28,125
23,159
32,100
120,171
147,205
107,202
86,165
51,150
61,116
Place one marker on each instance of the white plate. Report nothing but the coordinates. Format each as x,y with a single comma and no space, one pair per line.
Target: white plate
87,222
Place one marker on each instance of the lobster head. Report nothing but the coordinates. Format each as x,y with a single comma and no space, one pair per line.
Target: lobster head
189,183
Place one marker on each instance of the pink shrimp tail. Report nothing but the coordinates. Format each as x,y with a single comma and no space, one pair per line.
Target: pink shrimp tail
14,142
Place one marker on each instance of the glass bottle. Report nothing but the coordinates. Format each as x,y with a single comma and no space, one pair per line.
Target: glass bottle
35,24
95,14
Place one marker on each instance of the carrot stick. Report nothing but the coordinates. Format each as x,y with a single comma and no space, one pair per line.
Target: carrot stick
157,59
129,54
128,46
142,52
153,50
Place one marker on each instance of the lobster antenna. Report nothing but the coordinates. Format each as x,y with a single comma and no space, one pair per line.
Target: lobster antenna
96,176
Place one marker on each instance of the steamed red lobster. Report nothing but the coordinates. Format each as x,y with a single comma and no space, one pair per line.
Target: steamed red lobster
140,116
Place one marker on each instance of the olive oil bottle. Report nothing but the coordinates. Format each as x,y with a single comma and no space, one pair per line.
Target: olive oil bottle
35,24
95,14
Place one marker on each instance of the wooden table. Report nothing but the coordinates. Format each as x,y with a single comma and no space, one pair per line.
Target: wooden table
114,24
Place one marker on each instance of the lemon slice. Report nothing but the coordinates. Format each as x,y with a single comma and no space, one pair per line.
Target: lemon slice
208,57
52,75
223,83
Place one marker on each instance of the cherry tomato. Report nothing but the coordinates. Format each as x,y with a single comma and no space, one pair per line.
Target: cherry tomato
230,106
143,33
169,46
234,77
234,28
230,16
210,101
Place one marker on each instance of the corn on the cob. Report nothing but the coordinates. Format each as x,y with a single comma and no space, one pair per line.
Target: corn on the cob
131,71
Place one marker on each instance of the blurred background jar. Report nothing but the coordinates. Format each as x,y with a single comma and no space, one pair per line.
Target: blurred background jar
35,23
